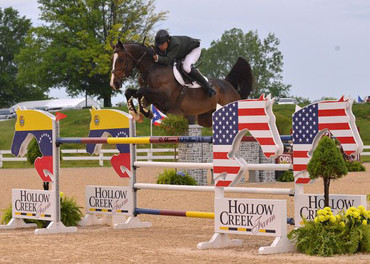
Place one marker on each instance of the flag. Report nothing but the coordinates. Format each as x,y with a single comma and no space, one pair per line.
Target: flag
308,121
158,116
227,122
359,99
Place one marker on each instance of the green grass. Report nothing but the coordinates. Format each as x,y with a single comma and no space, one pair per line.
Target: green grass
77,125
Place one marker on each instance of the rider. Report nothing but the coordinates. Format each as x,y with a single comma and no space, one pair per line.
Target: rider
172,48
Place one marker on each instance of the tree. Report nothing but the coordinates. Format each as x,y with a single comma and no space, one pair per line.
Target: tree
263,55
174,125
13,30
72,49
327,162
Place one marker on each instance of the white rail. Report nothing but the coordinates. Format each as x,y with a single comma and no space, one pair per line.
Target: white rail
191,165
150,186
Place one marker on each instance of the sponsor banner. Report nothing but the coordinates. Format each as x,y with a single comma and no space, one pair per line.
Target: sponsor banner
109,200
306,205
250,216
33,204
285,158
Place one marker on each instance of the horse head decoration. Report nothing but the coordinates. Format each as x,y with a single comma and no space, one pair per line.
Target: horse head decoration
312,122
159,87
39,125
113,123
230,123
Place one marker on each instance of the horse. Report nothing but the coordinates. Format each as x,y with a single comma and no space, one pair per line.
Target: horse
159,87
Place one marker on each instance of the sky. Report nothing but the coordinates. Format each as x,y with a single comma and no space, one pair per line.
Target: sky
325,44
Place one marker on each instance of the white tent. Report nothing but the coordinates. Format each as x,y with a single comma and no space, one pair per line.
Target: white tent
57,104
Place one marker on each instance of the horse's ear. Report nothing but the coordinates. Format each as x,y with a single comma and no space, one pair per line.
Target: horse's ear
119,44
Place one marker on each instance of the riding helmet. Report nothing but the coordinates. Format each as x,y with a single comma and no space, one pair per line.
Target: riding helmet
161,37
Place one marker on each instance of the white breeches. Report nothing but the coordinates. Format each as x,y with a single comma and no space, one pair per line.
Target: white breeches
191,58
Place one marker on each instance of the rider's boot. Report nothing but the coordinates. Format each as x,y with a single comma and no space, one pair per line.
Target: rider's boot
198,77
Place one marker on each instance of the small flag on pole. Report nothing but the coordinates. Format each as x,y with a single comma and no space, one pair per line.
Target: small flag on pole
359,99
158,116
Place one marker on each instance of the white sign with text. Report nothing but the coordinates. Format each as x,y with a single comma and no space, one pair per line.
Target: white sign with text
306,205
109,200
33,204
250,216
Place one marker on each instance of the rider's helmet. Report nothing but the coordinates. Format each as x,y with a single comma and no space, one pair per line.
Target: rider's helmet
161,37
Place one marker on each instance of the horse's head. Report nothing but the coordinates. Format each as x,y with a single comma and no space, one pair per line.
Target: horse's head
121,66
126,57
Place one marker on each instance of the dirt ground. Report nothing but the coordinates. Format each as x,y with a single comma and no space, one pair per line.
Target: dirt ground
169,240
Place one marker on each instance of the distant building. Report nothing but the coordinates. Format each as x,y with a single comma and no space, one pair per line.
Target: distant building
57,104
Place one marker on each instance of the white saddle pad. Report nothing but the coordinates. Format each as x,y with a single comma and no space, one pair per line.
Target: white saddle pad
180,80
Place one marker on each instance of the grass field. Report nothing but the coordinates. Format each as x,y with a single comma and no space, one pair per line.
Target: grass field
77,125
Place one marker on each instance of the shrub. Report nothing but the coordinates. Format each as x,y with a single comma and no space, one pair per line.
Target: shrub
355,166
286,176
327,234
175,178
33,151
70,213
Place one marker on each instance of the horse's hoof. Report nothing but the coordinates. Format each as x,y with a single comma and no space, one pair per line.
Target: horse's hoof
146,112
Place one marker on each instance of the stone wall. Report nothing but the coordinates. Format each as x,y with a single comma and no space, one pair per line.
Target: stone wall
202,153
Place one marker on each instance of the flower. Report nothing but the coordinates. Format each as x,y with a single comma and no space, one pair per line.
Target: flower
316,220
364,222
342,224
61,194
333,219
321,218
320,212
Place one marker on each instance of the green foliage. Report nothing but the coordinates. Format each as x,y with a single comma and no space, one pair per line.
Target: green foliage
262,54
13,30
70,213
327,162
286,176
355,166
72,47
33,151
329,234
175,178
174,125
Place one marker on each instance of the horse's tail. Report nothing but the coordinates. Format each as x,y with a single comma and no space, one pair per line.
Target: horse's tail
241,77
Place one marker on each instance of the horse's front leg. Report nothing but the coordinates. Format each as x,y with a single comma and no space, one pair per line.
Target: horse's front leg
130,94
143,105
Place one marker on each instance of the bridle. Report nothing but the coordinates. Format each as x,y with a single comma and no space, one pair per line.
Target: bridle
137,62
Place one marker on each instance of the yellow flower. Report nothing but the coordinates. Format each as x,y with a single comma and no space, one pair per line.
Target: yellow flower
364,222
327,217
319,212
332,219
356,214
342,224
361,208
352,208
338,217
61,194
321,218
316,220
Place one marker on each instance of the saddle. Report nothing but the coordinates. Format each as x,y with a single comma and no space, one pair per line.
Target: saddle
182,77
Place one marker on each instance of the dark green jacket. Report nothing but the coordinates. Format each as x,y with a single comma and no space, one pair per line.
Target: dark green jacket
178,48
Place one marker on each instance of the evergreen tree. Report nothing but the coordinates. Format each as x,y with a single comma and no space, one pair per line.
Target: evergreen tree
327,162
